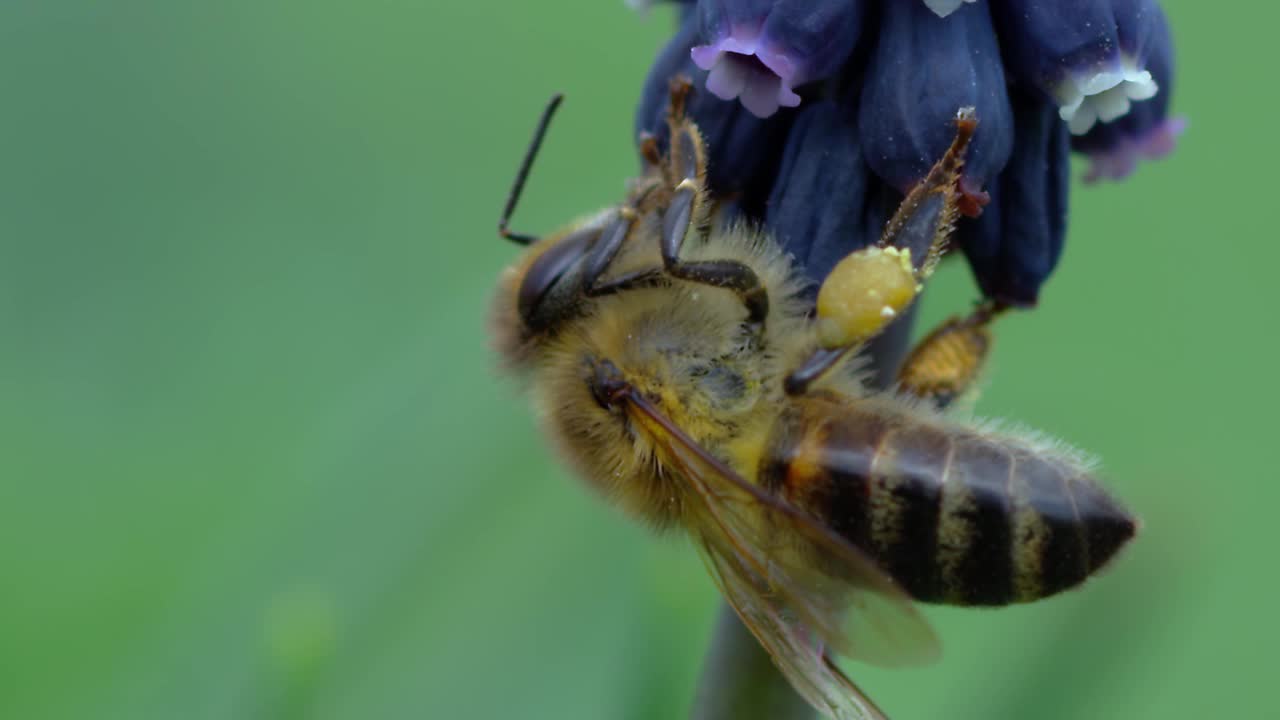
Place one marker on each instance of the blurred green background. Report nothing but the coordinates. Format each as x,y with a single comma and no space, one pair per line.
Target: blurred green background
255,461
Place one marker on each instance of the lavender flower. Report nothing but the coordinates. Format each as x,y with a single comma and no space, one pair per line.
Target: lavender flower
820,114
744,148
759,50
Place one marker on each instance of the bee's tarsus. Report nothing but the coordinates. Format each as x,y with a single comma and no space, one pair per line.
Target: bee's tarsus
680,87
649,152
987,311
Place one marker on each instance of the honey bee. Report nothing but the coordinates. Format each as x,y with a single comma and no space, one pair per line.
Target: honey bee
680,370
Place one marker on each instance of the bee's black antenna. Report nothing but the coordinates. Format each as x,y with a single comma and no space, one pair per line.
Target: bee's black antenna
523,173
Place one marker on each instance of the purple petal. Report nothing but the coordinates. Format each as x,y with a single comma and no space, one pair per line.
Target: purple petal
758,51
1119,160
740,69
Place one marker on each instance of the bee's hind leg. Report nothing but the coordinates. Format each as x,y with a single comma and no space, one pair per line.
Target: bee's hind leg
873,286
949,360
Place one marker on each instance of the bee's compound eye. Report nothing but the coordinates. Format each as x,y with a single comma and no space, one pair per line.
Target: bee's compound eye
545,272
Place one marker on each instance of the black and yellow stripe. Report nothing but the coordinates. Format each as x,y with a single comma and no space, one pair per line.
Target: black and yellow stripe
955,517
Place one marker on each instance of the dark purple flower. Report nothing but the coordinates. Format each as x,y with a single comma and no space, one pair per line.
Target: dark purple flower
944,8
1146,132
881,81
1015,244
759,51
923,68
743,149
823,159
1087,56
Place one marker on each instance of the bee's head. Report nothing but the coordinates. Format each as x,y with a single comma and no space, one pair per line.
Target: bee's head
544,288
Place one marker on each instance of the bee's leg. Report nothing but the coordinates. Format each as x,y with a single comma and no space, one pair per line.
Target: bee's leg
922,225
649,151
679,90
523,174
949,359
689,209
605,249
872,286
645,278
728,274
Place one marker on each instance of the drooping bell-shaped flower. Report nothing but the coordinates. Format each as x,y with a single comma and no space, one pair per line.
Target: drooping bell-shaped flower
743,150
881,81
818,207
1016,242
1087,56
760,51
922,70
1146,132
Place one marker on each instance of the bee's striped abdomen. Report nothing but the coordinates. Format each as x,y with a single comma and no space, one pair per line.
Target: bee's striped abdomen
954,516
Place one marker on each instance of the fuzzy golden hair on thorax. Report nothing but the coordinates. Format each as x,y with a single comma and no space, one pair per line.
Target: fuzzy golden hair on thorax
687,348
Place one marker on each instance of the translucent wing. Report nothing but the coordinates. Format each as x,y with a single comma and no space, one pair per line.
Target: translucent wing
805,593
795,649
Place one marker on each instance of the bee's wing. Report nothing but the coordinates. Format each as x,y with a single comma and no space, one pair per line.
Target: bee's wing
804,591
795,649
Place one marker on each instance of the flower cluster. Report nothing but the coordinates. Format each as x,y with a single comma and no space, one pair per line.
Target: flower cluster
820,114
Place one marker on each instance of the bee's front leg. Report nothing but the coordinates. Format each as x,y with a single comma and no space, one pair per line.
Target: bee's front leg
689,212
618,229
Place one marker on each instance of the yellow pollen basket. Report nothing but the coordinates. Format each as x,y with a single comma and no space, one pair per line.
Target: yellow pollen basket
864,292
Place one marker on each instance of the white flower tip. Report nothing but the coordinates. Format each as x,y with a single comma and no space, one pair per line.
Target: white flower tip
1105,95
943,8
1140,86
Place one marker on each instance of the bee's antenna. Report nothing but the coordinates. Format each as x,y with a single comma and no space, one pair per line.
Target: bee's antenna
523,173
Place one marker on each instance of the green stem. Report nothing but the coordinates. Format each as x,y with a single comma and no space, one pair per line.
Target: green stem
739,681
